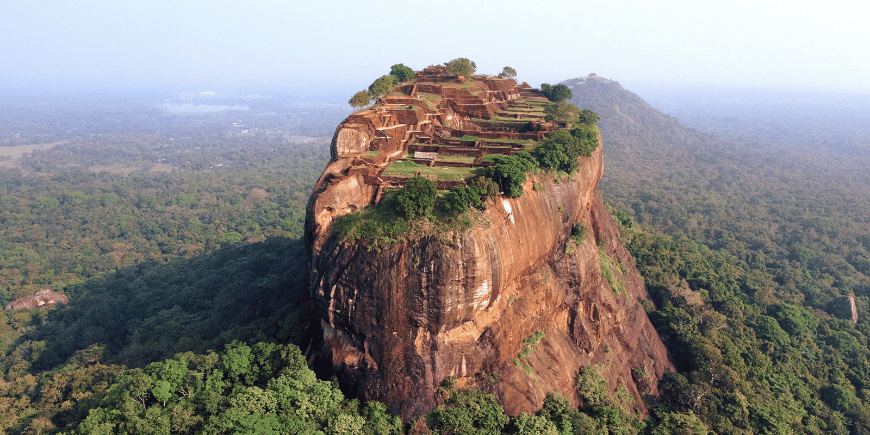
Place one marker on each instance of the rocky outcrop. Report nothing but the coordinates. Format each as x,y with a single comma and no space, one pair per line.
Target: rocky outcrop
513,306
844,308
42,298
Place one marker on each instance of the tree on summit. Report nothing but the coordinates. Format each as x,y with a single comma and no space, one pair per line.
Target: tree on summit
381,87
461,67
556,93
360,99
417,197
401,72
508,73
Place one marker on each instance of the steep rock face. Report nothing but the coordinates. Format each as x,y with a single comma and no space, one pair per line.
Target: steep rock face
396,323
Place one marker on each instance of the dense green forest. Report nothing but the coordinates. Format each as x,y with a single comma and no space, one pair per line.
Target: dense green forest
178,245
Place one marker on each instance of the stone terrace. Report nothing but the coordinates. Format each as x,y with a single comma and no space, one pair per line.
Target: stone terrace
458,122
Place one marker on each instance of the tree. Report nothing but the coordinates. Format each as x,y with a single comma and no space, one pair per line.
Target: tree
510,172
585,138
360,99
381,87
508,73
557,152
588,116
461,67
417,197
560,112
556,93
401,72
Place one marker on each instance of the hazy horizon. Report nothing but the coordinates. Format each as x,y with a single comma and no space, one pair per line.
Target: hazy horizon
201,45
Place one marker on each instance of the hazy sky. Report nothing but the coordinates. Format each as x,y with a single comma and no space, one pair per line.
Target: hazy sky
214,43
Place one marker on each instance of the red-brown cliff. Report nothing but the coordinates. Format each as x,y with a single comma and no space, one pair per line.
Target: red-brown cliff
395,323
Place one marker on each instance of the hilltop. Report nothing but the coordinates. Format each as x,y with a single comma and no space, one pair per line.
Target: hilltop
536,288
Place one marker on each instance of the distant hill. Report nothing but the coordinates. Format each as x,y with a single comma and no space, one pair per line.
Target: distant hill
777,194
637,136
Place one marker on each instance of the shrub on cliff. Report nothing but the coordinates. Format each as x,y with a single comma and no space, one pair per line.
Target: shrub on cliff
557,152
417,197
510,172
586,138
561,150
479,189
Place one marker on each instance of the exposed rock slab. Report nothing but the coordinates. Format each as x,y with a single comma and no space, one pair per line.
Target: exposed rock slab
42,298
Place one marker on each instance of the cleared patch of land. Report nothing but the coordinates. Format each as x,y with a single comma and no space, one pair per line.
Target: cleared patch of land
10,155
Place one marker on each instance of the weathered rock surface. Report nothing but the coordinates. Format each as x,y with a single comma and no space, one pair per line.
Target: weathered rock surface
395,323
42,298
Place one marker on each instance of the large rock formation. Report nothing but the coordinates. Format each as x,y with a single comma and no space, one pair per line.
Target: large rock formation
395,323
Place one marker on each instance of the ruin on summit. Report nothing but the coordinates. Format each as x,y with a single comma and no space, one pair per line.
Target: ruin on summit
441,121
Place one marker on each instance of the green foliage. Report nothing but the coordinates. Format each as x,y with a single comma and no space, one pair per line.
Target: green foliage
417,197
588,116
508,73
794,319
592,388
586,137
579,232
768,329
563,148
461,67
382,87
612,272
677,423
557,152
557,93
460,198
401,72
470,412
510,172
528,424
561,112
487,188
478,191
360,100
381,224
261,389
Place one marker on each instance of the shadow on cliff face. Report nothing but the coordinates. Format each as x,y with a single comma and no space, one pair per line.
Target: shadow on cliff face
151,311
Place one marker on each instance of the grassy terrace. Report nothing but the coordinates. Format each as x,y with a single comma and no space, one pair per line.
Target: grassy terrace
457,159
434,98
525,142
407,169
501,119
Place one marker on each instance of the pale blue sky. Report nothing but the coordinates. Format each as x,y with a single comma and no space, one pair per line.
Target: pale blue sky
214,43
